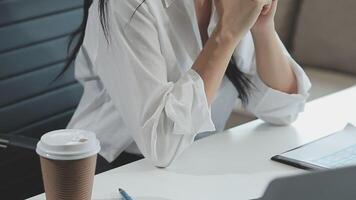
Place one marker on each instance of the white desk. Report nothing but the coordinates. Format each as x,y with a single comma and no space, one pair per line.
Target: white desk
232,165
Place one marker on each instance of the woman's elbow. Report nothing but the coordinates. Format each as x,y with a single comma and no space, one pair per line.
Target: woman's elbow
162,160
161,163
164,152
280,120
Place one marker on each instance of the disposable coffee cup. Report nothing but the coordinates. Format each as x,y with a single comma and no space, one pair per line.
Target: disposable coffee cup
68,161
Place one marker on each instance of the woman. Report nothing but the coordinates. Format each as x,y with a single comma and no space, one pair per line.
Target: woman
158,72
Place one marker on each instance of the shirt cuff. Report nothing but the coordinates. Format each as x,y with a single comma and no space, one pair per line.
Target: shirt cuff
198,118
263,99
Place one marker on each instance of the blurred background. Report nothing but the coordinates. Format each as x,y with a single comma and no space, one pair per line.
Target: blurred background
34,34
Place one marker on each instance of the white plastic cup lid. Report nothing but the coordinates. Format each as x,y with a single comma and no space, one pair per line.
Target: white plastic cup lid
68,144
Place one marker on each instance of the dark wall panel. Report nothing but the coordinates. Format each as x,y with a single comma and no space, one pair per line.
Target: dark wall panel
39,108
33,57
36,83
12,11
36,130
40,29
34,36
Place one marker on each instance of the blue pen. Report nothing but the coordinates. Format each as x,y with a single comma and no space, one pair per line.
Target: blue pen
124,194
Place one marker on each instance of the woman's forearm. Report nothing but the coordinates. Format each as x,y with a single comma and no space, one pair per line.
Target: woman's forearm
236,18
213,60
273,65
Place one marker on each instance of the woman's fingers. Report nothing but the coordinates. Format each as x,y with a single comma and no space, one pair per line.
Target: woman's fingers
266,9
272,6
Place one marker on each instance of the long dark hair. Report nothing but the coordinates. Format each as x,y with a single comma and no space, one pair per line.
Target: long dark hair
241,82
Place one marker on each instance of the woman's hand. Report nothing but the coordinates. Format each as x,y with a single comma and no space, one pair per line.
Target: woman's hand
265,21
239,16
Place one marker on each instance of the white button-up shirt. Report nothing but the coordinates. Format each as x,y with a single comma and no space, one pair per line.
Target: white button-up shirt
139,88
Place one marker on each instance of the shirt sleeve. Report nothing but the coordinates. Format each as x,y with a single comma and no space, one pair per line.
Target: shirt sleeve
163,116
266,103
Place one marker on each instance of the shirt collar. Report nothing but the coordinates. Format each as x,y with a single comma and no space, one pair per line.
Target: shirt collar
168,3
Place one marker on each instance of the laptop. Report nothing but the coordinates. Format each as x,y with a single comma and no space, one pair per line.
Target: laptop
336,184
